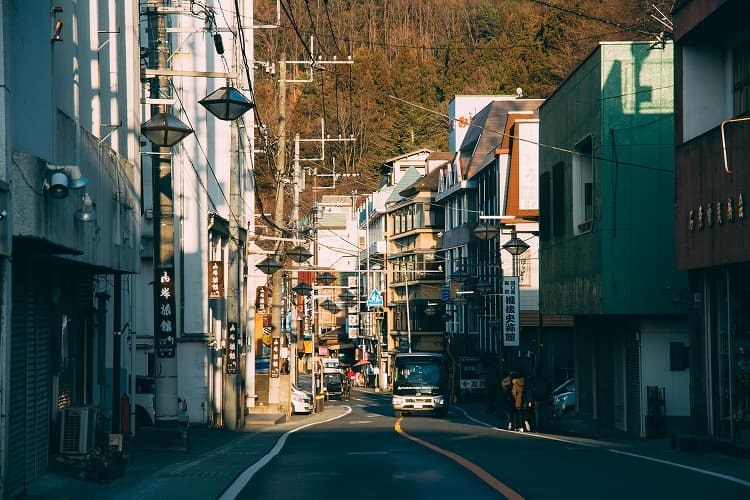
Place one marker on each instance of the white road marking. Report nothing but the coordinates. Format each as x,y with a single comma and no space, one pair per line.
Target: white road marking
360,422
239,484
612,450
681,466
529,434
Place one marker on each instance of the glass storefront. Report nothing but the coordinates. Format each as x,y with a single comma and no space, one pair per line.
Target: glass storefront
728,322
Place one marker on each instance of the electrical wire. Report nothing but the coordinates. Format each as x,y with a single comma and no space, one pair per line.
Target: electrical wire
593,18
537,143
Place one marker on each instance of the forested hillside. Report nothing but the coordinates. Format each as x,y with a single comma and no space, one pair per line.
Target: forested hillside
410,58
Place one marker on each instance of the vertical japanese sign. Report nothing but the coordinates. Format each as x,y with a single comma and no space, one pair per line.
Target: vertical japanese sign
215,279
510,312
231,358
165,318
275,356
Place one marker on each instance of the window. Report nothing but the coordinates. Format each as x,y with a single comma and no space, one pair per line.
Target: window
583,187
558,199
545,206
741,71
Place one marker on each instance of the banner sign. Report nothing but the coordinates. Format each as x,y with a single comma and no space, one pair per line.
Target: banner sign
510,311
165,319
263,300
215,279
275,357
232,353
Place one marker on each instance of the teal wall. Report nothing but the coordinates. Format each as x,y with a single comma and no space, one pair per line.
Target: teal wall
622,95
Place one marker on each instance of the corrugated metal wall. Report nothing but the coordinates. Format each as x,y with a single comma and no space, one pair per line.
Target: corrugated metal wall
29,411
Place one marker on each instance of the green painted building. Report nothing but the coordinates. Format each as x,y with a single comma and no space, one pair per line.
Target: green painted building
607,234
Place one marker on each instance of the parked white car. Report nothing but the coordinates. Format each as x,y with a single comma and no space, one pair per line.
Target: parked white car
302,401
145,409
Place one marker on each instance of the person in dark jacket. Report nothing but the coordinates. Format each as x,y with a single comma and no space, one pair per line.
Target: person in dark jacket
493,389
539,389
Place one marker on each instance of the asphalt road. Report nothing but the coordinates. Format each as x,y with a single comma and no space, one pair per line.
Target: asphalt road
362,451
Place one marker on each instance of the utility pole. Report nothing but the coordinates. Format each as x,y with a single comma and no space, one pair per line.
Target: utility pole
164,284
274,381
233,415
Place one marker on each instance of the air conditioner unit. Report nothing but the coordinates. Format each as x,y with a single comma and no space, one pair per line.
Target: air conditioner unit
78,428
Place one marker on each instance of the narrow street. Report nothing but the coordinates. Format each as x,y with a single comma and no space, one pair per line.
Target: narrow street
360,452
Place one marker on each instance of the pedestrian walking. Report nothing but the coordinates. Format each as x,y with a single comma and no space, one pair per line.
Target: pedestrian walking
540,389
520,423
492,388
506,400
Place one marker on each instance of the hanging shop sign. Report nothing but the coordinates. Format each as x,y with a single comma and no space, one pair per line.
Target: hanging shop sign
215,279
231,345
275,357
263,300
164,319
510,312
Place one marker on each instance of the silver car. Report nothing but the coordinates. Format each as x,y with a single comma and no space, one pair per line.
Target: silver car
563,398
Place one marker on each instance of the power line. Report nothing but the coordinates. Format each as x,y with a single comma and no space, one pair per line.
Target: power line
540,144
593,18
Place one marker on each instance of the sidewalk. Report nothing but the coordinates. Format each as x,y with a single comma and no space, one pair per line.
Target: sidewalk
214,460
579,426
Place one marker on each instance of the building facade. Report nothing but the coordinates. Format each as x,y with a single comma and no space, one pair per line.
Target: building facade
712,85
606,254
70,206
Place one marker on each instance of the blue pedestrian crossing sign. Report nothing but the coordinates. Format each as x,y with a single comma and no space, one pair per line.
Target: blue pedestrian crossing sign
375,299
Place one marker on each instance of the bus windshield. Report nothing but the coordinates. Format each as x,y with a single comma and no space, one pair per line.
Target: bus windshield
417,374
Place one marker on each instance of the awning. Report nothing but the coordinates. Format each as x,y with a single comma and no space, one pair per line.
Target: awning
361,362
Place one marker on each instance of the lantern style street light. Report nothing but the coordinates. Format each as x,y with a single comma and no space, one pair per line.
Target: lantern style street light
302,289
226,103
165,130
515,246
299,254
326,278
269,265
347,297
486,231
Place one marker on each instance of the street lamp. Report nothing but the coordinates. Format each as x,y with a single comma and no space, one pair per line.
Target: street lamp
226,103
165,130
515,246
347,297
299,254
326,278
269,265
302,289
486,231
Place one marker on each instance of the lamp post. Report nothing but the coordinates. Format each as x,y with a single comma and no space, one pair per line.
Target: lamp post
515,246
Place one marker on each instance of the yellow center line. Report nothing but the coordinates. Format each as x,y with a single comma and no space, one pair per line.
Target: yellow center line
482,474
